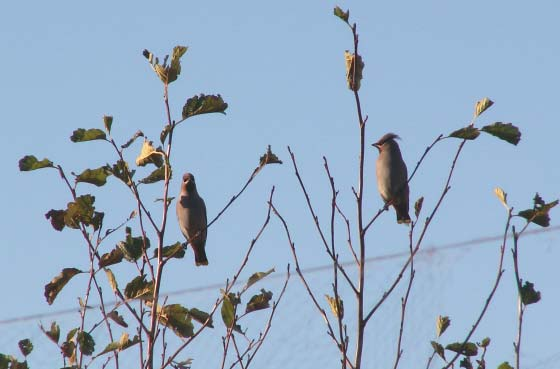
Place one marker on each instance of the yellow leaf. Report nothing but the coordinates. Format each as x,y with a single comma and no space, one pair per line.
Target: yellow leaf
481,106
112,280
502,196
354,68
149,154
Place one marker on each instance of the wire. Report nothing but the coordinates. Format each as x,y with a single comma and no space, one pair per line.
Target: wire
397,255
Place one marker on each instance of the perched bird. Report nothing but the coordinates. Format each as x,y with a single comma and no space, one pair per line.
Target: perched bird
392,176
191,213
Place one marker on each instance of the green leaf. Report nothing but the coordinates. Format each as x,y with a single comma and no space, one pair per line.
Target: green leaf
504,131
55,286
108,122
164,132
337,307
201,317
485,342
505,365
167,73
122,344
139,288
56,218
97,219
71,333
204,104
176,251
466,363
114,257
132,139
229,305
132,246
80,211
149,154
175,66
53,333
341,14
354,70
177,318
30,162
438,348
257,277
112,280
156,176
528,294
121,171
86,342
539,213
82,135
114,316
259,302
25,346
96,177
468,349
466,133
482,105
6,360
418,206
442,323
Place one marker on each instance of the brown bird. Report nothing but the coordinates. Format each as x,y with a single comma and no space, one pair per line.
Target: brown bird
191,213
392,176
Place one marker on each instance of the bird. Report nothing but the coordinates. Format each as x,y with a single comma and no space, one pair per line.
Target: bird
392,176
191,214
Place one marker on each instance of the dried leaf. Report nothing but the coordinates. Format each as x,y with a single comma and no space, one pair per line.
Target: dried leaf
55,286
502,196
337,307
354,70
257,277
149,154
481,106
442,323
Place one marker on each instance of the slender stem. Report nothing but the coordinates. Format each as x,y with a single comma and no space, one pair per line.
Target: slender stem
492,292
404,300
330,330
318,226
337,299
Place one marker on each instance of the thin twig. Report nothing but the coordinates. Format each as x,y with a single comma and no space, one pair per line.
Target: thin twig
310,293
317,225
404,300
492,292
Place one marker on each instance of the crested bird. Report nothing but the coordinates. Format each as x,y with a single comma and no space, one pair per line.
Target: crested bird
392,176
191,214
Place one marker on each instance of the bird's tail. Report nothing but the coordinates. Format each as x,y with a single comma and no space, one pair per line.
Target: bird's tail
200,256
402,214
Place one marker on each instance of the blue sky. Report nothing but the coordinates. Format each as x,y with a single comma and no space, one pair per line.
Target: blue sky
280,67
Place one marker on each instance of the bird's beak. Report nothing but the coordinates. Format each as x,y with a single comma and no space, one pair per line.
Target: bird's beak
376,145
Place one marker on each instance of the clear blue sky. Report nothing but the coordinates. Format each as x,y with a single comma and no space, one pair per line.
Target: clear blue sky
280,67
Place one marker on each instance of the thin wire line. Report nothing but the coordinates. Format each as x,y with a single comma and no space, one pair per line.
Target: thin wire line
396,255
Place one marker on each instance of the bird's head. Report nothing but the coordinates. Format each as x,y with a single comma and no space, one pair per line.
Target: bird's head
387,138
188,182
